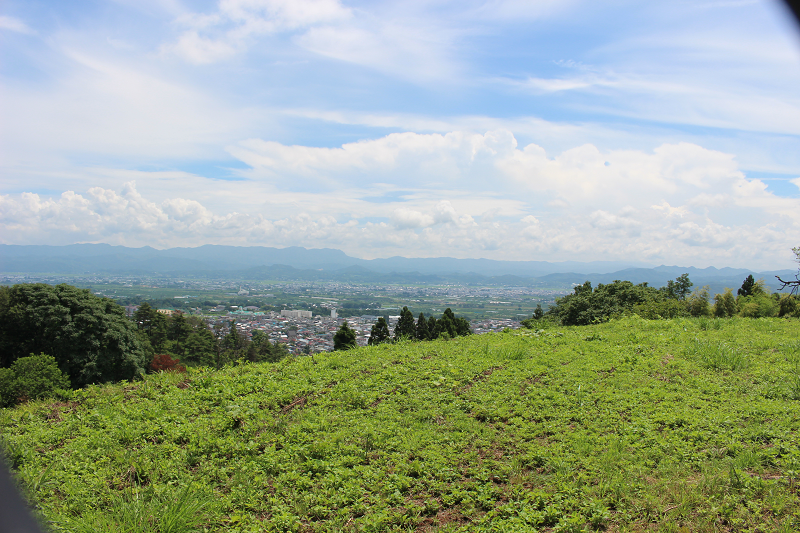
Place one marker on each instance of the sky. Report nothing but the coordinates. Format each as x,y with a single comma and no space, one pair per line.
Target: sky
651,132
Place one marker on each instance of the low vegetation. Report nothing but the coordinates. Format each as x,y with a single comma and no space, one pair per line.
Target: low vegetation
686,424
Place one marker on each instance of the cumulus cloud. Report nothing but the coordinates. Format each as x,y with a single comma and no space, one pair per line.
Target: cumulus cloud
419,226
464,194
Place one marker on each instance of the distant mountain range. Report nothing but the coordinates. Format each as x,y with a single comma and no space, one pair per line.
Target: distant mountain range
326,264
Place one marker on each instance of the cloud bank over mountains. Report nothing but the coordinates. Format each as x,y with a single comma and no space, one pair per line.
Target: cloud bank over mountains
425,193
511,130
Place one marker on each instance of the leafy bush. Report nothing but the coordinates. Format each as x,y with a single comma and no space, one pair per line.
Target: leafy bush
758,306
589,306
31,378
697,304
789,306
8,389
725,304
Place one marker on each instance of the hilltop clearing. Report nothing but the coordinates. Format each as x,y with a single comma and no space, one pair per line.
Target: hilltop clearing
631,425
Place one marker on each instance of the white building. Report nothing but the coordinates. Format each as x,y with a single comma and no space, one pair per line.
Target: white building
334,314
295,314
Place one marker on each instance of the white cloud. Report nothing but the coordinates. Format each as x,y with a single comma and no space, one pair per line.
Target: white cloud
410,218
113,108
406,51
213,37
662,206
14,24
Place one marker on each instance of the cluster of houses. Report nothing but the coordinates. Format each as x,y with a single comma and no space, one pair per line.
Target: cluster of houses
313,334
305,333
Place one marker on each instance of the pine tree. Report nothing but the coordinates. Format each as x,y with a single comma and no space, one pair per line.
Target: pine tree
747,286
421,332
344,338
380,332
405,327
447,324
433,328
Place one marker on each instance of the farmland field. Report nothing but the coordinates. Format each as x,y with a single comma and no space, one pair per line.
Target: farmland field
633,425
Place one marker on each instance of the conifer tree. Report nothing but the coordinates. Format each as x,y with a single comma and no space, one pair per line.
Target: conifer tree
748,286
422,333
379,333
447,324
344,338
405,327
433,328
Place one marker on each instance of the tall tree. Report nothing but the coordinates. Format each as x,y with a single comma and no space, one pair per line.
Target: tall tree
725,304
201,347
153,324
90,337
405,327
462,326
447,324
379,333
680,287
421,331
344,338
748,286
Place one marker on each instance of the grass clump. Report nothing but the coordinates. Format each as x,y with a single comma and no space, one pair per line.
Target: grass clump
717,355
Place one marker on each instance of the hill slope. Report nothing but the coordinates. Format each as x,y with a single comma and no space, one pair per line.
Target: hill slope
630,425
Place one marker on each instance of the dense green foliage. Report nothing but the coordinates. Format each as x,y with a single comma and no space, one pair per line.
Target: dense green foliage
679,287
748,287
189,339
31,378
344,338
631,425
379,333
590,306
90,338
405,328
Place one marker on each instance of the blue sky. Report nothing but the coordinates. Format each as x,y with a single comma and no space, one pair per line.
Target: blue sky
659,132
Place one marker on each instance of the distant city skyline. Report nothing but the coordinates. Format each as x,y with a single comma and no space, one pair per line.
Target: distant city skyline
667,133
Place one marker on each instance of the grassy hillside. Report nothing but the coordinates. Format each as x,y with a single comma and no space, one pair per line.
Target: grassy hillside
633,425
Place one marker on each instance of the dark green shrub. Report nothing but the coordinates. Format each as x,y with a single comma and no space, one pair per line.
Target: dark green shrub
789,306
31,378
8,393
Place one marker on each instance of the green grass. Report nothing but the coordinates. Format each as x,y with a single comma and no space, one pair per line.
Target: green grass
632,425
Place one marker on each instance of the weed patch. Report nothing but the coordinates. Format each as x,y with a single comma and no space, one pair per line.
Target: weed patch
630,425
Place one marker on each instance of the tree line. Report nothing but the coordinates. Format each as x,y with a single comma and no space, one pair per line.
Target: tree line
588,305
424,329
82,338
188,339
